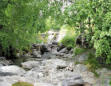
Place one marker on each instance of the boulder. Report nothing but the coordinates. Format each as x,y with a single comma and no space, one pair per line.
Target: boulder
43,84
80,68
4,61
55,43
5,84
73,82
82,57
64,50
55,63
27,55
60,47
30,64
43,49
11,70
48,55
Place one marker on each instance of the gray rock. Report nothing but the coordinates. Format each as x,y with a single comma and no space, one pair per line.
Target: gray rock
43,84
34,74
5,84
67,56
47,55
80,68
55,63
4,62
30,64
27,55
36,53
82,57
75,80
11,70
104,72
64,50
1,65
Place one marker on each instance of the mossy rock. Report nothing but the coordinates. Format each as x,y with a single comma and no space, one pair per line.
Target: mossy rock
22,84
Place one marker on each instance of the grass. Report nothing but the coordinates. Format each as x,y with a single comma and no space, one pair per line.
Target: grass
22,84
92,63
68,41
78,51
110,82
70,37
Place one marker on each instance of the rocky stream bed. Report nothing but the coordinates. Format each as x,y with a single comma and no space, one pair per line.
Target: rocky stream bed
51,65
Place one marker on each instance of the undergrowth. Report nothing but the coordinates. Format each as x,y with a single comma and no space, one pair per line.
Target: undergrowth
78,50
92,63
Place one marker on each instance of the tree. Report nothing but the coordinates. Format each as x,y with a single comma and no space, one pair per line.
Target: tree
93,19
21,20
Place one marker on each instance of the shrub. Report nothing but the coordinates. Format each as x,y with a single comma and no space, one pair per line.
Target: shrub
22,84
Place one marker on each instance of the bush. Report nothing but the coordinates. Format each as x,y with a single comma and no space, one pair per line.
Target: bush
22,84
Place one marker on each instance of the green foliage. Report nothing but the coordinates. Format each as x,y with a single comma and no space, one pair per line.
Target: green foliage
52,24
92,18
42,39
21,20
78,50
22,84
92,63
69,39
110,83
